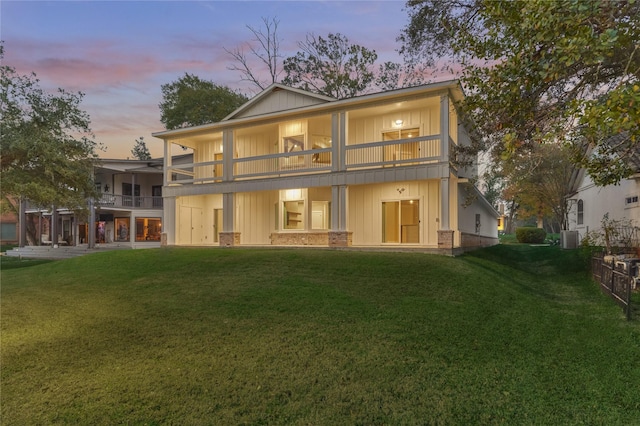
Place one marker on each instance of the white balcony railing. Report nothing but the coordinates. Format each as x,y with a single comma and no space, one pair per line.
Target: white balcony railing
405,152
129,201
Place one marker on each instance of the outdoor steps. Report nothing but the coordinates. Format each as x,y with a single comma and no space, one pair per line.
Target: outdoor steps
60,252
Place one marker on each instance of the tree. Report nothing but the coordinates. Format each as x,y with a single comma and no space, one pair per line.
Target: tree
191,101
538,182
140,150
541,71
48,151
331,66
267,53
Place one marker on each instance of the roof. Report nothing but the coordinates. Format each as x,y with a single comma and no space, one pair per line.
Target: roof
252,111
277,97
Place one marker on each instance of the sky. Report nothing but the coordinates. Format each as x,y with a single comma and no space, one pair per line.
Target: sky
120,53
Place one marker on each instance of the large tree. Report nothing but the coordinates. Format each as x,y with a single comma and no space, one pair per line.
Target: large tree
47,149
264,50
191,101
540,71
537,183
331,66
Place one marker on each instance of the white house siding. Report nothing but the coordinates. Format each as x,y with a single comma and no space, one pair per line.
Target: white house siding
598,201
256,140
467,209
255,216
365,209
204,152
195,219
367,125
279,100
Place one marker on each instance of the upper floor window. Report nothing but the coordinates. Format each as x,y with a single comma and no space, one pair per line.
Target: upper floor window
580,212
631,201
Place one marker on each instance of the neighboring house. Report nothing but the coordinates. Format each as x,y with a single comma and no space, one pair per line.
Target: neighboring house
292,168
589,203
129,211
9,228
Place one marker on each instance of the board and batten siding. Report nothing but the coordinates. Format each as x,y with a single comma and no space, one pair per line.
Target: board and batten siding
195,219
280,100
365,209
255,216
370,128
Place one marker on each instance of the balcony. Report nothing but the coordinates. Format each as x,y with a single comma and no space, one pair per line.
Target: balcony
395,153
129,202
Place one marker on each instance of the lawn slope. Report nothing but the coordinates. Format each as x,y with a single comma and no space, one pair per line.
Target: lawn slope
511,334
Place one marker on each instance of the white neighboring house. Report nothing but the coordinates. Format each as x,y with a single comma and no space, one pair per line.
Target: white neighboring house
292,168
589,203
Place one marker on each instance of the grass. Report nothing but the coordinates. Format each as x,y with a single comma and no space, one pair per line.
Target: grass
508,335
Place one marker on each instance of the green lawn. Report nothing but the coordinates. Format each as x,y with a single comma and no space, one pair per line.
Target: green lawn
508,335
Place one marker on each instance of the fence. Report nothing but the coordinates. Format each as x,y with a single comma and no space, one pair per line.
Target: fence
616,278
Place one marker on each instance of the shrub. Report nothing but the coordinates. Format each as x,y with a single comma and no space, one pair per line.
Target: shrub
530,235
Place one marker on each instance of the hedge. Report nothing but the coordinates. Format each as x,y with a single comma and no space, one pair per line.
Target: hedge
530,235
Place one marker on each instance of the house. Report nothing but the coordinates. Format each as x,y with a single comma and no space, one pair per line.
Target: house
128,212
293,168
8,228
588,203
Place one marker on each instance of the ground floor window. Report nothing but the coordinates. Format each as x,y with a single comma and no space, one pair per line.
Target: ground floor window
293,214
8,232
122,225
148,228
401,221
320,215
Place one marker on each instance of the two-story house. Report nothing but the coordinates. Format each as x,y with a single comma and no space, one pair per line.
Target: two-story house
293,168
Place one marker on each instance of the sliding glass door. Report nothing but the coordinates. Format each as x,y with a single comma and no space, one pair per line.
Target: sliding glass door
401,221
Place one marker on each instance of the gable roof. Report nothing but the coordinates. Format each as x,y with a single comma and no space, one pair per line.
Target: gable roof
245,114
276,98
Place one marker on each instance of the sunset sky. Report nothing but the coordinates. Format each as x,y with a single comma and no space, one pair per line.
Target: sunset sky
119,53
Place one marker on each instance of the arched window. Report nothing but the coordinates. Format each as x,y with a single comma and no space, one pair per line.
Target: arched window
580,212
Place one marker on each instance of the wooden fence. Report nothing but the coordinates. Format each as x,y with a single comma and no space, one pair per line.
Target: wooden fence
615,279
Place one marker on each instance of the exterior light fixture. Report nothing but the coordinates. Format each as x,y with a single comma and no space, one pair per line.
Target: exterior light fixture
399,122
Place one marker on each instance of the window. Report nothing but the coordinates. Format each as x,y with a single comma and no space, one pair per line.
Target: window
8,231
401,151
293,144
400,221
320,214
122,225
478,223
148,228
293,214
128,193
580,212
631,200
156,193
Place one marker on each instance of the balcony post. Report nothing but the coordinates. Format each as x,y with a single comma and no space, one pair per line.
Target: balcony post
22,222
167,164
227,155
91,231
444,128
228,236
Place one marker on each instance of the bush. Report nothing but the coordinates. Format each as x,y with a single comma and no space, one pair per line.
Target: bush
531,235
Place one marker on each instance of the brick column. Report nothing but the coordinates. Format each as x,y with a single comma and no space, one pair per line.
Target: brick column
340,238
229,239
445,239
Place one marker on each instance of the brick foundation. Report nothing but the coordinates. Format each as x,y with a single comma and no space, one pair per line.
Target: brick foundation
445,239
299,239
340,239
474,240
229,239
